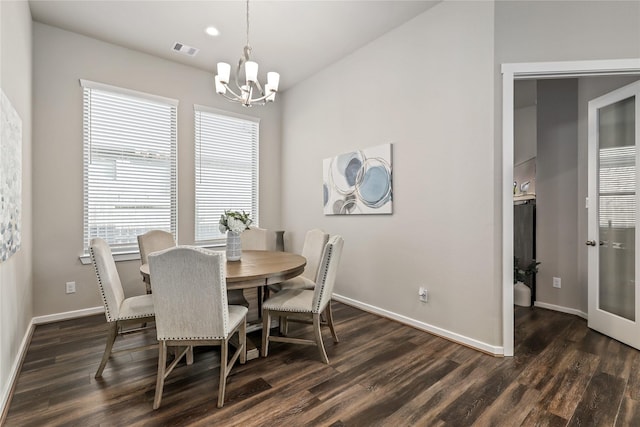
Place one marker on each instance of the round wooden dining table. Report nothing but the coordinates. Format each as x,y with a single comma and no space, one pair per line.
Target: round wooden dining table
256,268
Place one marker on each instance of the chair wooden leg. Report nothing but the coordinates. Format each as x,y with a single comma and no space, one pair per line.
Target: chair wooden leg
318,334
266,325
223,371
329,315
111,337
190,355
162,365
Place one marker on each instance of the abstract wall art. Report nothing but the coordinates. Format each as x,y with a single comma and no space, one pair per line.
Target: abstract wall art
358,182
10,178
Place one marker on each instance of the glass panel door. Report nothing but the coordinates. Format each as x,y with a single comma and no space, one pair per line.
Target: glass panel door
617,208
613,257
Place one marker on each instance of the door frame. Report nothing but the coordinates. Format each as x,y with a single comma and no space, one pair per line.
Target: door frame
521,71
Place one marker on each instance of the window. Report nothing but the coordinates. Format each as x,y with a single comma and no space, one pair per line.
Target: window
226,169
617,187
130,181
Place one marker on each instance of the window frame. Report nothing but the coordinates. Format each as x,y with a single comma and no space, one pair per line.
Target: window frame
130,251
255,149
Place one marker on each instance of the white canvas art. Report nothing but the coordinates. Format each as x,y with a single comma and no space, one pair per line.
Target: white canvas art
10,178
358,182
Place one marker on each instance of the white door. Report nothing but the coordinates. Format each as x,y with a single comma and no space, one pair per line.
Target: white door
614,297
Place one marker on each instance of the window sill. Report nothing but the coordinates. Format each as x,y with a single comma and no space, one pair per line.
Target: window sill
214,246
85,259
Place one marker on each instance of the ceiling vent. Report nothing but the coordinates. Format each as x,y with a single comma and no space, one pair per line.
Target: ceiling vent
185,50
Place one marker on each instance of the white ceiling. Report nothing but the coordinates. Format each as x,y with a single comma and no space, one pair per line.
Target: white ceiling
294,38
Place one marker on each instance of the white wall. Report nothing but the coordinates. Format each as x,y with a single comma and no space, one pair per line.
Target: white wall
61,58
524,138
16,308
424,87
524,121
557,185
531,31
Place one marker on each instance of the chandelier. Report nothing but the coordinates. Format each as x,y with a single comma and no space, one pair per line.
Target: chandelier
250,91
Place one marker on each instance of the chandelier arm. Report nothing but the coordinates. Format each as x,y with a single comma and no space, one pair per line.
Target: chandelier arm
237,97
257,83
262,98
233,99
240,64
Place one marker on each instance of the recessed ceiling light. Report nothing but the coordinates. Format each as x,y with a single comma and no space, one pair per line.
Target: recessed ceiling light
212,31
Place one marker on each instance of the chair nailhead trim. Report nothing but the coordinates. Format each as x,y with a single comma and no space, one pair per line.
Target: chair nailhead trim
325,269
190,338
102,294
288,309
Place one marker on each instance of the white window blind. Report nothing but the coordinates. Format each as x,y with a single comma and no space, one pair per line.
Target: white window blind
226,156
130,181
617,180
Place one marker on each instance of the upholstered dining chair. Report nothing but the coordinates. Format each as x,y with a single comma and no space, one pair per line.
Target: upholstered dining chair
119,311
306,302
153,241
190,297
314,243
258,239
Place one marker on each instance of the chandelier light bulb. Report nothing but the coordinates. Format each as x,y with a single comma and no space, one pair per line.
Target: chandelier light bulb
273,80
251,71
224,70
220,89
271,94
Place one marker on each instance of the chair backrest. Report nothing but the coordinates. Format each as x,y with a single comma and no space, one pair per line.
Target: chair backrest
327,273
190,293
109,283
154,241
258,239
314,243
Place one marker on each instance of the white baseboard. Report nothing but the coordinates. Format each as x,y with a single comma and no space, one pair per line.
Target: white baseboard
562,309
67,315
451,336
15,370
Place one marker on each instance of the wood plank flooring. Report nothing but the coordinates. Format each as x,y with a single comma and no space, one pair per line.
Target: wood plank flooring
381,374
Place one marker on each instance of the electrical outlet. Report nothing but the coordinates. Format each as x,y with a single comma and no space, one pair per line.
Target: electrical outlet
557,282
71,287
423,294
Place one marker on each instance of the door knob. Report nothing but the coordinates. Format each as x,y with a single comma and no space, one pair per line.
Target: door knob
591,243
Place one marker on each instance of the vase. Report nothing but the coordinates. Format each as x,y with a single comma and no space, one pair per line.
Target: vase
521,295
234,247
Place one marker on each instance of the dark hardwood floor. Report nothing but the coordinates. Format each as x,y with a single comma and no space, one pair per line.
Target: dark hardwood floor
381,373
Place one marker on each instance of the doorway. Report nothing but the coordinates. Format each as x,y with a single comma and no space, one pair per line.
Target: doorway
510,73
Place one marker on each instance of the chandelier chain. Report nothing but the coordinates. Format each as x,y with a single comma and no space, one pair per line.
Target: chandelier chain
247,22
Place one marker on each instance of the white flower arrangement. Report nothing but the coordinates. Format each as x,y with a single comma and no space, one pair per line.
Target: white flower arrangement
234,221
